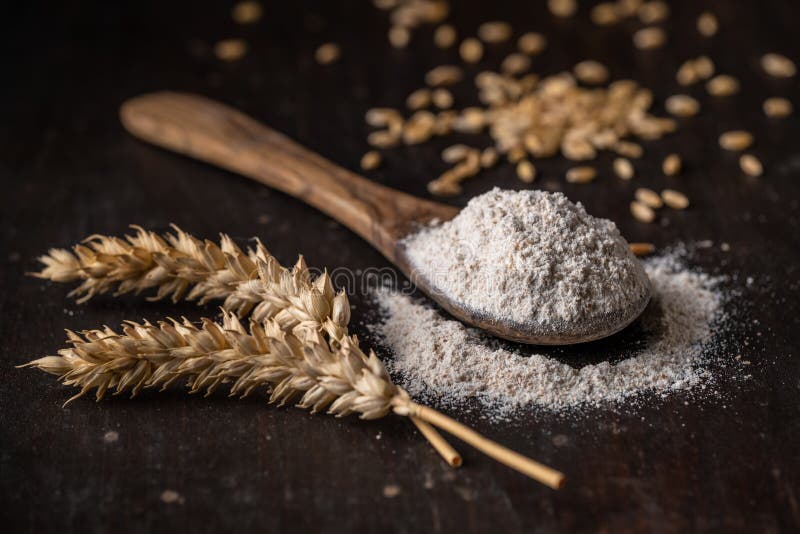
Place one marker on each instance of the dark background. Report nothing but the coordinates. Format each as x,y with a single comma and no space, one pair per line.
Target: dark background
720,462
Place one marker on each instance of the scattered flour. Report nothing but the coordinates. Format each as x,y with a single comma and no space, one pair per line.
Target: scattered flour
441,360
532,258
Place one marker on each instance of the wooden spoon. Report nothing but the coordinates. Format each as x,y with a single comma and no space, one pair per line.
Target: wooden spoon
217,134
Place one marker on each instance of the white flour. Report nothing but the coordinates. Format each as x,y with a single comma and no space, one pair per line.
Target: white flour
442,360
531,257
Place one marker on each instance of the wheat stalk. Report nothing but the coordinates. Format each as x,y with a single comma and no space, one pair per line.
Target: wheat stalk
297,343
335,375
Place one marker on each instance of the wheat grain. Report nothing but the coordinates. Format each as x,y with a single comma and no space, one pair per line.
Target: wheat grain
751,165
247,12
707,24
370,160
777,107
445,36
421,98
399,36
532,43
648,197
653,12
443,75
455,153
627,8
649,38
735,140
471,50
623,168
327,53
671,165
642,249
675,199
515,64
230,49
704,67
642,212
604,14
628,149
591,72
489,157
722,85
581,175
682,105
526,171
494,32
562,8
778,65
442,98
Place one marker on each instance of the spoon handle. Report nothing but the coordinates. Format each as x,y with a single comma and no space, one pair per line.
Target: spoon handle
218,134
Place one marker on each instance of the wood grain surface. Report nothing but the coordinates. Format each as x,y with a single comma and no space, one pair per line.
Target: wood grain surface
725,462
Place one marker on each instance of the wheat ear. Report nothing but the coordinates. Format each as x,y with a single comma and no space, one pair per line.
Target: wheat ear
332,375
248,282
176,265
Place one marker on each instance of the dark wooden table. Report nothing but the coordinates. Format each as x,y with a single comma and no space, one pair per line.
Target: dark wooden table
724,463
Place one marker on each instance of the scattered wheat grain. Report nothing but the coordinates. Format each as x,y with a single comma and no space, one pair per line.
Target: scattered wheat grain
471,50
419,127
532,43
704,67
675,199
751,165
778,65
419,99
591,72
653,12
445,36
642,212
247,12
648,197
649,38
642,249
707,24
736,140
682,105
722,85
628,149
562,8
443,75
777,107
328,53
604,14
581,175
623,168
455,153
399,36
515,64
442,98
370,160
526,171
494,32
671,165
383,139
628,8
489,157
230,49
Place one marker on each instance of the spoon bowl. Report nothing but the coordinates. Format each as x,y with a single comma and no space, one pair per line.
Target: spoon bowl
218,134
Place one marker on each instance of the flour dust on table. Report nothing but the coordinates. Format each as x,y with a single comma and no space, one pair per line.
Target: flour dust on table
440,359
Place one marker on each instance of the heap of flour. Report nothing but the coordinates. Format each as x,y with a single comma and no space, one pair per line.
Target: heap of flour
530,258
443,361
